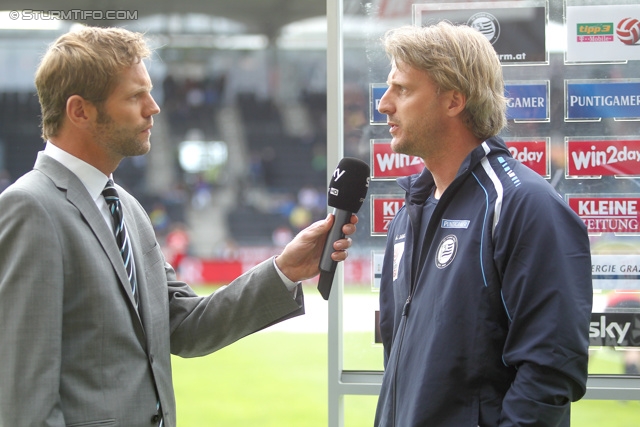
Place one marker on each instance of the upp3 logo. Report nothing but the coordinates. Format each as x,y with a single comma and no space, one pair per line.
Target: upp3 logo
627,31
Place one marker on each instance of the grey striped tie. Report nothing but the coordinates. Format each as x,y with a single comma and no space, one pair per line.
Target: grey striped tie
122,238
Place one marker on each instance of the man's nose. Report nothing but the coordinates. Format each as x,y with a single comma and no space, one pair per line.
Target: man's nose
384,105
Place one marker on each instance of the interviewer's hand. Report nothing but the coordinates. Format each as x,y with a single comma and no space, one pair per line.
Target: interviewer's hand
300,258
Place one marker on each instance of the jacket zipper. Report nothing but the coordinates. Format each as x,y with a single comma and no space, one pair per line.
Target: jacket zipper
442,204
405,313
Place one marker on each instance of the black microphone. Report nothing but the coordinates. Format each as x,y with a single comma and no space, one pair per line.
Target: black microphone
347,191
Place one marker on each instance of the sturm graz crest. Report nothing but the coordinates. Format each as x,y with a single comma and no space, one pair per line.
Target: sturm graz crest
446,251
487,24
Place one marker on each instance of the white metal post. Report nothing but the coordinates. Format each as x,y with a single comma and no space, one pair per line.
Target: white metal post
335,149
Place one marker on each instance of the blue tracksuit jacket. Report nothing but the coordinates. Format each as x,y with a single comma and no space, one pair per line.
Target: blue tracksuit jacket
486,323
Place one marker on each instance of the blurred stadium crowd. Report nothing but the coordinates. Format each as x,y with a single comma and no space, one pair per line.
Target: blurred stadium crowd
264,108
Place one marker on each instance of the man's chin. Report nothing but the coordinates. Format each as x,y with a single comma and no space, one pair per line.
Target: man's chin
142,148
396,146
146,143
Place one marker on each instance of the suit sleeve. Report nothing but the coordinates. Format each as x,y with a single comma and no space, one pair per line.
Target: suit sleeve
200,325
547,292
31,296
254,301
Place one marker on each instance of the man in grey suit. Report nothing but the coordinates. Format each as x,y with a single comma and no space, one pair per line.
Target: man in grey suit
87,321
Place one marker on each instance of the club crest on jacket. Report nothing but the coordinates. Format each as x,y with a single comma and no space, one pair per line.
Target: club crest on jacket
446,251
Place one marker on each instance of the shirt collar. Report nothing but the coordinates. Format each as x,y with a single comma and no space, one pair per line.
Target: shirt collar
93,180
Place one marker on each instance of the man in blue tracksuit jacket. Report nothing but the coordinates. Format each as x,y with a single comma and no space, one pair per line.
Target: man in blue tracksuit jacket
486,290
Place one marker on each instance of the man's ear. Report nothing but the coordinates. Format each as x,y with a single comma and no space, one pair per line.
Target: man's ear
80,112
456,102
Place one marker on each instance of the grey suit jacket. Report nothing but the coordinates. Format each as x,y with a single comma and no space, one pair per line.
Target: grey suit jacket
73,349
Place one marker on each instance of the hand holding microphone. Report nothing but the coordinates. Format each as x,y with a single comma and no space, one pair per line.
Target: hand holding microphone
347,191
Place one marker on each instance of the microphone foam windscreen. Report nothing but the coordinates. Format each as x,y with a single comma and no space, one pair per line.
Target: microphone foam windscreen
349,185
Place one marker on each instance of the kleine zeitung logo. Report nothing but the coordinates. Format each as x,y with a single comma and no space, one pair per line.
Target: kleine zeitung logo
607,214
384,209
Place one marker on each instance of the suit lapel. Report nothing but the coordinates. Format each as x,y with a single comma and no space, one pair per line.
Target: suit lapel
77,195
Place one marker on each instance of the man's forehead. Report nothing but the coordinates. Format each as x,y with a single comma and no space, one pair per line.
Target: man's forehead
399,64
133,76
398,67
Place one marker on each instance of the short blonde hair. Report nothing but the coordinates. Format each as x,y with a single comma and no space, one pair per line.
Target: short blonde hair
85,63
456,57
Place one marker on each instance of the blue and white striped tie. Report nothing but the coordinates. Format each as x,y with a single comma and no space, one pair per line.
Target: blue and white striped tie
122,238
124,244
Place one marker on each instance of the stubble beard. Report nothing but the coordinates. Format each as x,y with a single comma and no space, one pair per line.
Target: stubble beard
408,145
121,141
422,141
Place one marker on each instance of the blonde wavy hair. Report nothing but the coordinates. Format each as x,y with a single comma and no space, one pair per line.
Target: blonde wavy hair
456,57
85,63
